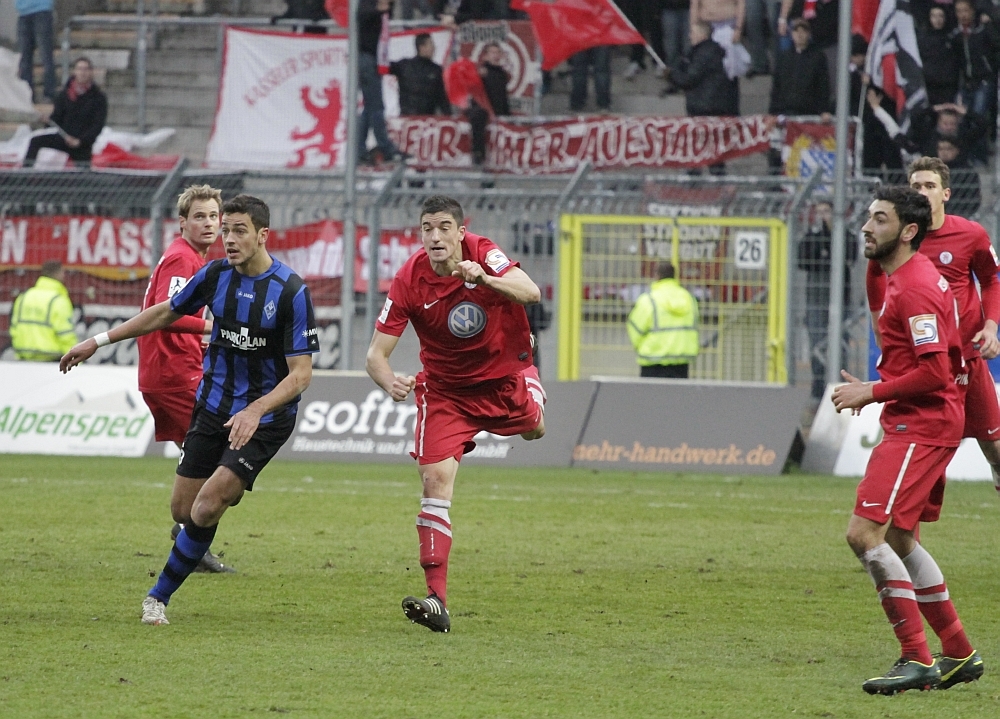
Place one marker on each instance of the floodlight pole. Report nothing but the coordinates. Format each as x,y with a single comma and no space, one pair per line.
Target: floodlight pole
837,239
350,199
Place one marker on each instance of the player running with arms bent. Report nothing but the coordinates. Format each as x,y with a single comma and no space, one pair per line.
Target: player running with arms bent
962,253
923,377
257,366
465,299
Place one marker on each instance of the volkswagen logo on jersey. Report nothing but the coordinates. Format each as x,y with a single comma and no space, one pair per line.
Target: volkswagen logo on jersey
466,320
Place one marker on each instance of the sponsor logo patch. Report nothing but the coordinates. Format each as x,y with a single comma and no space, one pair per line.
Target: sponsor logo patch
497,260
242,339
943,284
466,320
176,285
923,329
385,311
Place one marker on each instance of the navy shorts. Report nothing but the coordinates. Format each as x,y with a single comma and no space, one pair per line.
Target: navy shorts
206,447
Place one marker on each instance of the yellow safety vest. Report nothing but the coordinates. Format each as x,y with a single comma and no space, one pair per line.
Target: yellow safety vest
41,322
663,325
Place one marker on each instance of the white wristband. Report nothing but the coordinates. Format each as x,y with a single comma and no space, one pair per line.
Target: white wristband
102,339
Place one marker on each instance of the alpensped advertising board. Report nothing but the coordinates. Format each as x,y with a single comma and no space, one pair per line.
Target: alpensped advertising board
93,410
349,419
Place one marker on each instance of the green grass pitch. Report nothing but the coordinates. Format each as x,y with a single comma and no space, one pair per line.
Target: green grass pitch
573,594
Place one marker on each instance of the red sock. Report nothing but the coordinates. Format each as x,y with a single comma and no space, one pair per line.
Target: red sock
434,531
901,609
941,615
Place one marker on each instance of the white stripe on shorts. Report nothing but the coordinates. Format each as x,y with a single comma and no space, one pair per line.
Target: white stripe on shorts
899,479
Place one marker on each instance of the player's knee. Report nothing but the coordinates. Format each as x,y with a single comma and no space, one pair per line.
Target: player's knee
180,510
537,433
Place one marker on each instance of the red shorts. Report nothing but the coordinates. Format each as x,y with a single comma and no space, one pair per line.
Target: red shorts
171,413
982,411
448,419
904,482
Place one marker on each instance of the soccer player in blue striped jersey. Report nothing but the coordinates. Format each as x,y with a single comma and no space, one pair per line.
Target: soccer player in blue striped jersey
256,367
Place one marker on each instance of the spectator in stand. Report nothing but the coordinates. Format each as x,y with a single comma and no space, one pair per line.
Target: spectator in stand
304,10
801,81
946,120
41,320
675,19
600,59
940,61
408,6
966,190
495,79
34,29
701,74
976,45
719,13
421,81
455,12
760,16
880,156
79,113
373,36
822,16
643,14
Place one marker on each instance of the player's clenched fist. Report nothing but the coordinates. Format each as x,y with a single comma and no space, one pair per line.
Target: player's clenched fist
470,271
402,386
80,353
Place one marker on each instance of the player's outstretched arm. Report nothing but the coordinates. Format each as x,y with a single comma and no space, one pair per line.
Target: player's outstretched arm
515,285
149,320
244,423
379,369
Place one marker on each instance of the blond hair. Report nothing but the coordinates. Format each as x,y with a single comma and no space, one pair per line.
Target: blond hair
197,192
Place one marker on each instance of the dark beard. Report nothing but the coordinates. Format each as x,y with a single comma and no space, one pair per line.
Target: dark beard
882,251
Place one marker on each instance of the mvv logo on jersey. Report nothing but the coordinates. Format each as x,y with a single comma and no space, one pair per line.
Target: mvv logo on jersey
924,329
466,320
242,339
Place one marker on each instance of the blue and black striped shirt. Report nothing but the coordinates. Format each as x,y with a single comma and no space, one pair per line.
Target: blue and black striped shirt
258,322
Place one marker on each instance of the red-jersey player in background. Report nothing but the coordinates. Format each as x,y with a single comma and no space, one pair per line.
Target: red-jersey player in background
962,252
466,300
170,360
923,377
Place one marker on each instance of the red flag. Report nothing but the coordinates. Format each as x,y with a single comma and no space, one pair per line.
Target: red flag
339,11
863,19
462,81
565,27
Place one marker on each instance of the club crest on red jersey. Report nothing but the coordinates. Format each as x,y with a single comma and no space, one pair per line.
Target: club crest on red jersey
924,329
466,320
946,257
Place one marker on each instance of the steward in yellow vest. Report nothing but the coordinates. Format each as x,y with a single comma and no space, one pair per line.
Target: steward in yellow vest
41,321
663,327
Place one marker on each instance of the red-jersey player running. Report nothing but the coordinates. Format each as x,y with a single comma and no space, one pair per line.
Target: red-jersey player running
922,375
465,299
962,252
170,360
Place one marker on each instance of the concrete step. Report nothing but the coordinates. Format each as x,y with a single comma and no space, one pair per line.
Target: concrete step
189,38
189,142
202,99
98,37
180,80
192,61
160,116
176,7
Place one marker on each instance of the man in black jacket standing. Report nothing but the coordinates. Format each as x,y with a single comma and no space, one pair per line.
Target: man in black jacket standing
79,113
702,76
801,81
373,42
421,83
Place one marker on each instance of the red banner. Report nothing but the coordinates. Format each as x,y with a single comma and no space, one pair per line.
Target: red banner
561,145
119,249
520,57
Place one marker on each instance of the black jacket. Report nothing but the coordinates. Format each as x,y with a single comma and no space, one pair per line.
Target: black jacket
84,117
707,89
976,52
940,61
369,26
421,87
801,84
495,84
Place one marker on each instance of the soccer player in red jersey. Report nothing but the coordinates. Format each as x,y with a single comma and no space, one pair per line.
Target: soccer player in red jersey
466,300
170,360
922,383
962,252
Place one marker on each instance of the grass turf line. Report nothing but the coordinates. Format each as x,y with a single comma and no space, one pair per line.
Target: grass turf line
573,594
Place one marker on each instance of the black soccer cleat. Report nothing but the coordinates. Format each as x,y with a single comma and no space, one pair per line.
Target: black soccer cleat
959,671
430,613
905,674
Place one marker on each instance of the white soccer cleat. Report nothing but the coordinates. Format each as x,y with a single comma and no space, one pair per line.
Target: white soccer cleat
154,611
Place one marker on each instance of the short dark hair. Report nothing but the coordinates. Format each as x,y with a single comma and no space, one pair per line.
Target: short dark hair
83,58
665,270
801,22
256,208
442,203
51,268
911,207
421,39
930,164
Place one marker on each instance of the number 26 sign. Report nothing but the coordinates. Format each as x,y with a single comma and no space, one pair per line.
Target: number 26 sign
751,249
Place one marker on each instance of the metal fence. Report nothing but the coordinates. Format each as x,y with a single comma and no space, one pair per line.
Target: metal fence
106,219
